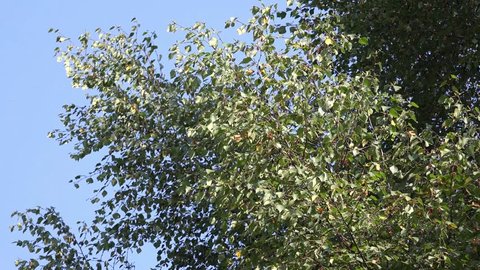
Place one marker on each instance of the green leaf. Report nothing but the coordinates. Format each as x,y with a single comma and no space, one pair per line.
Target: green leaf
393,112
363,41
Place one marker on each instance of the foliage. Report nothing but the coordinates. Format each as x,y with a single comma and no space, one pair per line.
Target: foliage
258,154
430,48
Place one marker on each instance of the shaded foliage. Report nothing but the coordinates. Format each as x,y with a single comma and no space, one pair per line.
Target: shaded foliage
430,48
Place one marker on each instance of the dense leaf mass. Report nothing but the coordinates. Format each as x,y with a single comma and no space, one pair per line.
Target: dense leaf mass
262,153
427,47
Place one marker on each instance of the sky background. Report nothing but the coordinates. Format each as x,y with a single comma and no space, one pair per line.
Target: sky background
35,170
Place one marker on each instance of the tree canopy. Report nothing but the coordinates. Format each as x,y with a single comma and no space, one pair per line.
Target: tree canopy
429,48
290,148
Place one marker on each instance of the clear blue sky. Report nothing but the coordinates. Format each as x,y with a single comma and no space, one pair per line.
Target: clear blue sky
34,170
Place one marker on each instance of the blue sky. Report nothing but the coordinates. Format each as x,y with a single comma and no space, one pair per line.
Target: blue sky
34,169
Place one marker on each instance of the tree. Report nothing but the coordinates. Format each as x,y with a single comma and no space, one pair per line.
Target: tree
429,48
258,154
